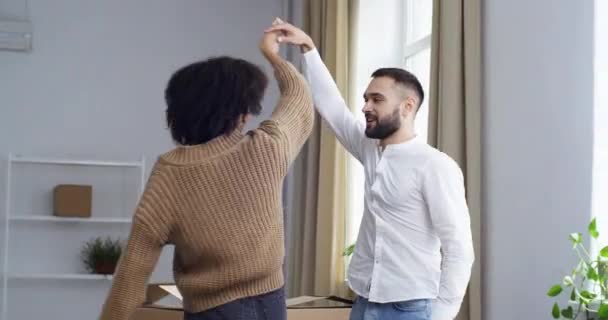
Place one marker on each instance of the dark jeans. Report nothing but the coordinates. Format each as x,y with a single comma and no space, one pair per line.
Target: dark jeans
269,306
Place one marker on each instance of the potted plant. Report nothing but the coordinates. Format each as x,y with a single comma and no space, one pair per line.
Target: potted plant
348,251
101,256
587,283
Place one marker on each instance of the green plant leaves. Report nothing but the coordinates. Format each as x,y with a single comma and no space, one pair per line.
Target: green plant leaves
593,229
587,297
602,312
555,311
578,268
349,250
573,295
576,238
99,251
592,274
554,291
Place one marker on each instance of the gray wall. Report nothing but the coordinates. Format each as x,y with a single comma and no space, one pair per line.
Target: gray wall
538,116
93,87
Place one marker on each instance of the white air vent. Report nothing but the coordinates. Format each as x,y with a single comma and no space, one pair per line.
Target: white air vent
15,35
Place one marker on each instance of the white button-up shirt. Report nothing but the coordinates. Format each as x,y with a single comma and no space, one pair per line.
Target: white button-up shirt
415,237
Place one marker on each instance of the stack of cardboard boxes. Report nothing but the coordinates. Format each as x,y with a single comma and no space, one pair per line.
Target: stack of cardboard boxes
163,302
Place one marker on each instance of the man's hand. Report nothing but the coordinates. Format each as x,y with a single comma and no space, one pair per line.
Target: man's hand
291,34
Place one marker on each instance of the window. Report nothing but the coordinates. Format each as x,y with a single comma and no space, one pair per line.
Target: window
600,134
390,33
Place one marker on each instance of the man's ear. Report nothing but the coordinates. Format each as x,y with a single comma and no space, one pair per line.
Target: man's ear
408,106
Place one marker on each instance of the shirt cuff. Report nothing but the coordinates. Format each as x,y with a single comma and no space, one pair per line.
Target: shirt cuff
311,54
443,311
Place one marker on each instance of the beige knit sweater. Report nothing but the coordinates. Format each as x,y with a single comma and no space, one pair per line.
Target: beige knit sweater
219,203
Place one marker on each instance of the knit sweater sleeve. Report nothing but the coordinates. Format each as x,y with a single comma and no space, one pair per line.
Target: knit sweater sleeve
151,228
293,117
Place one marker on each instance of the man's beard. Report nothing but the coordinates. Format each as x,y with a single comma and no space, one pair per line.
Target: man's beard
385,127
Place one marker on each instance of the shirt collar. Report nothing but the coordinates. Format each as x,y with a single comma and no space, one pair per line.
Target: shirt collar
416,140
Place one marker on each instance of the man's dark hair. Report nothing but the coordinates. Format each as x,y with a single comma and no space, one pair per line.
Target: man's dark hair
404,78
206,99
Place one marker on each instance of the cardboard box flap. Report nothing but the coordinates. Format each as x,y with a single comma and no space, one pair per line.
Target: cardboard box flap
302,299
318,308
310,302
301,308
159,291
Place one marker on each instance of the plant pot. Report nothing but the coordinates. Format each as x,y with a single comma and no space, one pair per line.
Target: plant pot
105,268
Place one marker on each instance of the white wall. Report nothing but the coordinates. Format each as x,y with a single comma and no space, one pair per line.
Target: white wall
93,86
94,83
600,152
13,10
538,117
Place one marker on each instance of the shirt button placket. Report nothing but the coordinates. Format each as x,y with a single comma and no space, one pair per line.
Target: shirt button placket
377,259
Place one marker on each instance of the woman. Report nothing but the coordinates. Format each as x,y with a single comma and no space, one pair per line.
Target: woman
217,196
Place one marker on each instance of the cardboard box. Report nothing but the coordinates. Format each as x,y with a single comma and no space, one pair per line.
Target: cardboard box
318,308
163,302
72,200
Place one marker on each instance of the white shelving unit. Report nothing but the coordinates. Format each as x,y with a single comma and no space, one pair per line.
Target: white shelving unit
39,220
71,162
58,276
42,218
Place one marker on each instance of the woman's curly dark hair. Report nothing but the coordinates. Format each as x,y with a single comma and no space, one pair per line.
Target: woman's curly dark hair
206,99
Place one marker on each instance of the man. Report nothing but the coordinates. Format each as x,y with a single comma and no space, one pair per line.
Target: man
414,246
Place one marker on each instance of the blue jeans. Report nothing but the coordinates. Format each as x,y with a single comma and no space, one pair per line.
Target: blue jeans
404,310
269,306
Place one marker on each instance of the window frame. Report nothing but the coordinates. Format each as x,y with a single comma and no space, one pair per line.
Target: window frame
409,50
